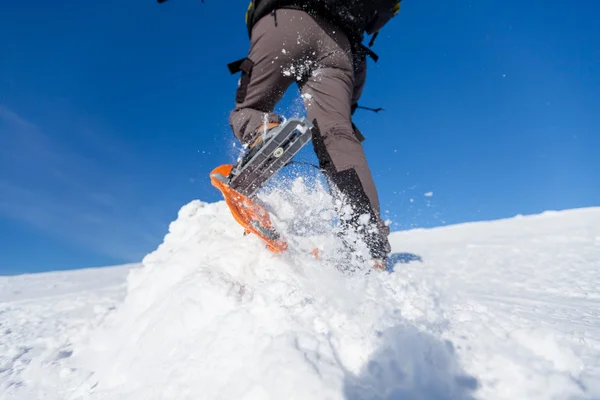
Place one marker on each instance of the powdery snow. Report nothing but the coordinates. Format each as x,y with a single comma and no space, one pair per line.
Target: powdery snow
42,316
494,310
522,297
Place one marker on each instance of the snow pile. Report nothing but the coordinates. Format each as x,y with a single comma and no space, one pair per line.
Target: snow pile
496,310
214,315
505,309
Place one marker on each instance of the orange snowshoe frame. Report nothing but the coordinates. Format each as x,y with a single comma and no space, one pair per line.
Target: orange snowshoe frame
252,217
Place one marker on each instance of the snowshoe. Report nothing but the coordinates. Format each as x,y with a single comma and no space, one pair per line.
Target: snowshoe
251,216
261,162
239,183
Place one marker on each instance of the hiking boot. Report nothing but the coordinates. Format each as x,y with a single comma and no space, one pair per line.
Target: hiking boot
261,132
379,264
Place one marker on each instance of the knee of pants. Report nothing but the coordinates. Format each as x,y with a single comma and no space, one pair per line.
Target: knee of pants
337,147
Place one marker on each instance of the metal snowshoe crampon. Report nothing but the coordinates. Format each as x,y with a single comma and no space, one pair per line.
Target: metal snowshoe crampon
239,183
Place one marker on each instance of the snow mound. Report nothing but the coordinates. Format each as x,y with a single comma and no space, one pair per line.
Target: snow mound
212,314
495,310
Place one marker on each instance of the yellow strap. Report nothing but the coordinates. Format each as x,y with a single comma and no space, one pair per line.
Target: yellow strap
249,9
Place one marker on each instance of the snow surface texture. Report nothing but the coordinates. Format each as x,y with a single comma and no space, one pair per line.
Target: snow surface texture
496,310
42,316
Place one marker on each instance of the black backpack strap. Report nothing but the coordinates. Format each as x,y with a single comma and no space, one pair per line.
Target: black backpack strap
236,66
372,41
367,51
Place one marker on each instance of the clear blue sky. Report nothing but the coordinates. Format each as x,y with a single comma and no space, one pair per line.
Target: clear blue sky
112,114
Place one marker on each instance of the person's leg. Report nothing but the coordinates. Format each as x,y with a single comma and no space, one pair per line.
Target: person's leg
328,94
280,54
293,46
263,81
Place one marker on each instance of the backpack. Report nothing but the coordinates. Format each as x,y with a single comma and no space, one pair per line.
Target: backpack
355,17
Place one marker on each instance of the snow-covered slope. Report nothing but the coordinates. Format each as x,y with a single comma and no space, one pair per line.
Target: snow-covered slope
496,310
42,316
522,297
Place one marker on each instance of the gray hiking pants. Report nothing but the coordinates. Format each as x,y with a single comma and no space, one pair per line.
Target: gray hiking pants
292,46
